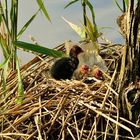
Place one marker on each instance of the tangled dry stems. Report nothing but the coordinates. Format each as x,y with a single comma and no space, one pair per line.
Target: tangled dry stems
55,110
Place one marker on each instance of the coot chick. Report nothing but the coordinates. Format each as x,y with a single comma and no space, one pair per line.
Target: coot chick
84,69
64,67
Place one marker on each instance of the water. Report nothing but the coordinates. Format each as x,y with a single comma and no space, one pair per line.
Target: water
52,34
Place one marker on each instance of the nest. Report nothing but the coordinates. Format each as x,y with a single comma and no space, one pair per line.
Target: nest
54,110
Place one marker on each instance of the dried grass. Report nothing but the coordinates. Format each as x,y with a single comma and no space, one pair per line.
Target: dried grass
63,110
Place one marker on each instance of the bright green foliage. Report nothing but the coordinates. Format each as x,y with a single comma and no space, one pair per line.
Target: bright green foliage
39,49
84,3
43,8
89,30
70,3
92,33
118,5
80,31
8,35
27,24
92,11
126,2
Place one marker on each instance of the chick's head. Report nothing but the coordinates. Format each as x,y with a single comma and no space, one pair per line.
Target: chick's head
84,69
75,50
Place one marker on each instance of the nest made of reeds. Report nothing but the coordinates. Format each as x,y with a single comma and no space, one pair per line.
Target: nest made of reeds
63,110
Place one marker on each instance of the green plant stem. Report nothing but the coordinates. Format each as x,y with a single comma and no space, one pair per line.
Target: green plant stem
84,14
14,19
6,12
7,23
124,6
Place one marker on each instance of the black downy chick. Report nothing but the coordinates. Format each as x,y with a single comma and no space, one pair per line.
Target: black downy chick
64,67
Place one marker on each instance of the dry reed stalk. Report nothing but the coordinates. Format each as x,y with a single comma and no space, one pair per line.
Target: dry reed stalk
61,109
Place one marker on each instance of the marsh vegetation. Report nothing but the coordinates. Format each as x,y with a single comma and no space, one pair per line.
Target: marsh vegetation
33,105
